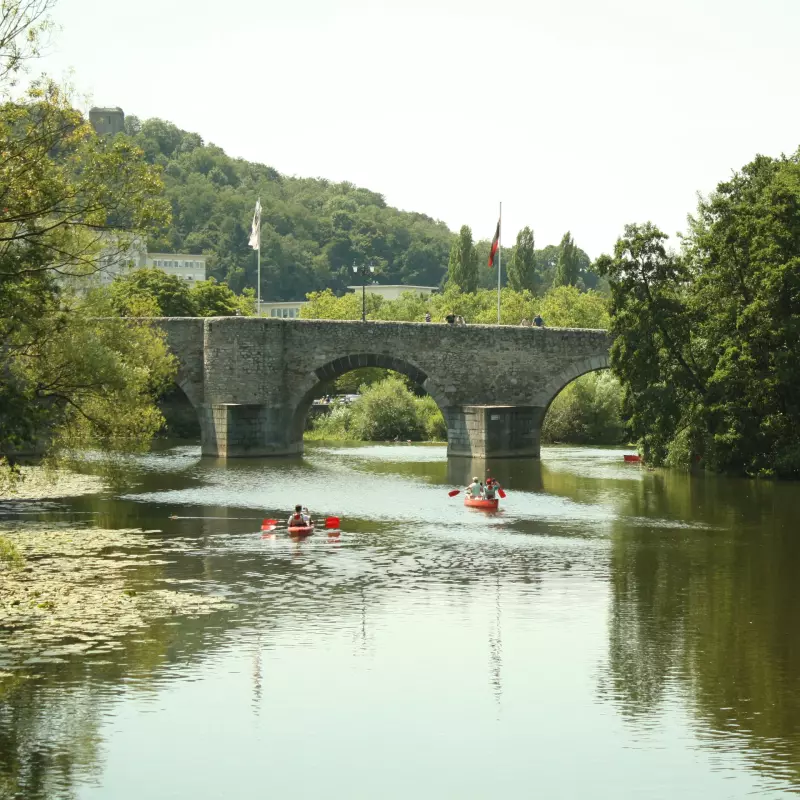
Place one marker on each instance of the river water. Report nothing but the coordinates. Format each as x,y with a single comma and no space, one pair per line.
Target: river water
610,632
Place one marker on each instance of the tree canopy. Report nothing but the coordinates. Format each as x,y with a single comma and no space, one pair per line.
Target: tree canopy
312,230
462,267
706,340
67,195
153,292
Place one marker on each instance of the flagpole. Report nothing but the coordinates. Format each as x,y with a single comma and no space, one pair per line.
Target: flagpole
259,260
499,260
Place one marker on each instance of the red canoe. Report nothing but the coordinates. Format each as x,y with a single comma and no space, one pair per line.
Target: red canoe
302,530
632,459
480,502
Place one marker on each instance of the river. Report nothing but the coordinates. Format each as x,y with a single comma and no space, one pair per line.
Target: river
610,632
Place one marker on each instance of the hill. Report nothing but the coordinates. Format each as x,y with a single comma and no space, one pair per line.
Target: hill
312,229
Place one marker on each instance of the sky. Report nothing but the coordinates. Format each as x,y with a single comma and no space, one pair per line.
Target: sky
579,115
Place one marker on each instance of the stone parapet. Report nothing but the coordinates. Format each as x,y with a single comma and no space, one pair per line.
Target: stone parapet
279,366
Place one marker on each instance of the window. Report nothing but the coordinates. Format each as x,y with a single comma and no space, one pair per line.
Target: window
291,313
189,278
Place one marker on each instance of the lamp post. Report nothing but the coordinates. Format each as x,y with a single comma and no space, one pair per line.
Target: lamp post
362,271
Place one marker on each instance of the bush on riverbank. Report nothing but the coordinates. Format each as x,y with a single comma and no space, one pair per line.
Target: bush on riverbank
587,411
385,411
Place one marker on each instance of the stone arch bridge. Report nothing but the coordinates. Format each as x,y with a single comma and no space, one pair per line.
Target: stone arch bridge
252,380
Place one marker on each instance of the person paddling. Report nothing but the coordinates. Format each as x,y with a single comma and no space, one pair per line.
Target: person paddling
475,488
299,519
491,488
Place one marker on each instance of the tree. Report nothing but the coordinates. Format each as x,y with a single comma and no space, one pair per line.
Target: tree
568,264
705,343
653,352
66,197
22,26
522,269
170,296
462,268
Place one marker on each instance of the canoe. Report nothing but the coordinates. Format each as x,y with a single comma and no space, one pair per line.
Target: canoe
302,530
481,502
632,459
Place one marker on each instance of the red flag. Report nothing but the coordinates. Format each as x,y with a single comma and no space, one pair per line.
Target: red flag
495,243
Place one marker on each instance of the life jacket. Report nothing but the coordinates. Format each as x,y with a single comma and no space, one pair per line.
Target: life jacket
297,521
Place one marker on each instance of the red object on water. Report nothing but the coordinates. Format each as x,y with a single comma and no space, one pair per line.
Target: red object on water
632,459
481,502
303,530
501,493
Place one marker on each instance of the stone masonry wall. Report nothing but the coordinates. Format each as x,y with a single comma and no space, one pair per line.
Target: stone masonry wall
279,364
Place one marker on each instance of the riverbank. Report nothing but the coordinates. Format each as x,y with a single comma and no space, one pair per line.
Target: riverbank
77,592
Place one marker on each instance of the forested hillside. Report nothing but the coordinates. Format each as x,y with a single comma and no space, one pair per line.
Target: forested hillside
312,229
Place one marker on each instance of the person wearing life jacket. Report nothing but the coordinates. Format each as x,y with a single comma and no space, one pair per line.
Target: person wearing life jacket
299,519
491,488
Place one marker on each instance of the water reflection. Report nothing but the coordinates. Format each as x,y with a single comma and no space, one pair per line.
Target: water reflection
600,594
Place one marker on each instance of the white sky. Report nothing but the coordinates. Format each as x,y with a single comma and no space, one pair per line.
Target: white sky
577,114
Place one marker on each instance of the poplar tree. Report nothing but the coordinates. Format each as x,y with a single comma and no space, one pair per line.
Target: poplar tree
522,269
568,264
462,269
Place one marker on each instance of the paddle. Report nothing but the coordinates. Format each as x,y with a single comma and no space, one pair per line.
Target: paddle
272,524
501,493
453,493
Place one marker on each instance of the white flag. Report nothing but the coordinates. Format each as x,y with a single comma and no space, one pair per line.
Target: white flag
255,233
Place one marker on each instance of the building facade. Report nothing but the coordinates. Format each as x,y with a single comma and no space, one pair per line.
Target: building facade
187,266
282,309
107,121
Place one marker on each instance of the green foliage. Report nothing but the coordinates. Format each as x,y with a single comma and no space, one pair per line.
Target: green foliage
67,196
567,307
587,411
169,294
385,411
10,555
568,263
350,382
522,268
153,292
326,305
462,267
23,24
312,230
706,342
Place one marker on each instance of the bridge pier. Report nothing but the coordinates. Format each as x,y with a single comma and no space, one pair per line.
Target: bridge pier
245,430
494,431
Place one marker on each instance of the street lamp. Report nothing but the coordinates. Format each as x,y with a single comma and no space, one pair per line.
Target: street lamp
362,271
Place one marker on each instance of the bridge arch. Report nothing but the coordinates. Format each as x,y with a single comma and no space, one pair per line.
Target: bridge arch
571,371
341,365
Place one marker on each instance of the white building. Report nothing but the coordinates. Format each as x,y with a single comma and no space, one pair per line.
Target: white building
191,268
115,260
393,291
282,309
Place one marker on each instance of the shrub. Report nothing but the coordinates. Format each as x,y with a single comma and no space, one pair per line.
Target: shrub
385,410
588,410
